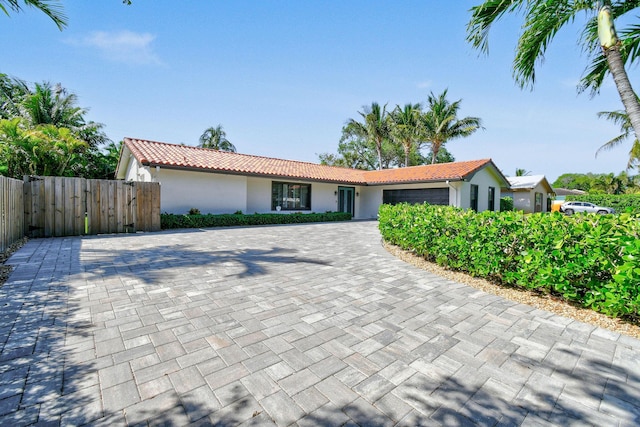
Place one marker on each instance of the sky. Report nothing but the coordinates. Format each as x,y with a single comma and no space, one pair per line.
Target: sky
283,77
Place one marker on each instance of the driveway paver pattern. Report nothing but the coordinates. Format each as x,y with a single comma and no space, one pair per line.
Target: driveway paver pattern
287,325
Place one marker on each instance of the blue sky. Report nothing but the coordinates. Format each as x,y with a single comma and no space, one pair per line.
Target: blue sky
283,77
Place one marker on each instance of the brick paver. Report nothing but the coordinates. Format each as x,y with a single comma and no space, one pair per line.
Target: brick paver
287,325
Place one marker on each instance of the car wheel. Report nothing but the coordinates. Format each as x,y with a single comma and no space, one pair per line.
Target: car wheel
602,212
568,211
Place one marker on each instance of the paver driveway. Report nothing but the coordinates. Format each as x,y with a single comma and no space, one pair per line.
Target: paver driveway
308,324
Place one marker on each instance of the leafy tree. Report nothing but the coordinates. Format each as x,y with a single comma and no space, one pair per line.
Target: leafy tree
621,119
441,124
12,92
543,19
444,156
41,150
405,128
41,129
599,183
216,138
375,127
522,172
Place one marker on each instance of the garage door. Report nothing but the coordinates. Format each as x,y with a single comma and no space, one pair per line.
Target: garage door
433,196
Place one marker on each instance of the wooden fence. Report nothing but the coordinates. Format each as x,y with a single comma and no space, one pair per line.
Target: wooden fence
58,206
11,212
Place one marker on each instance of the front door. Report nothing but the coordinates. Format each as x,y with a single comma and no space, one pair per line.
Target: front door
346,199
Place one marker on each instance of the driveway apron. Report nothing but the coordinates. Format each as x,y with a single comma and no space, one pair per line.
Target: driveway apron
300,325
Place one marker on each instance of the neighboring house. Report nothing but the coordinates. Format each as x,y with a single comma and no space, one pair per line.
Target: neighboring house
223,182
529,193
562,193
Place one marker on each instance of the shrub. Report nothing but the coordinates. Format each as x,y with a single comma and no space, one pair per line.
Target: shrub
172,221
506,204
591,260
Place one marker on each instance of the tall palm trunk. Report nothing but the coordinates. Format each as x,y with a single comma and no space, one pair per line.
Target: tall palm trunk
621,79
611,49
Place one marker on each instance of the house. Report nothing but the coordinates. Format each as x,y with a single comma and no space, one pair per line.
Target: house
222,182
529,193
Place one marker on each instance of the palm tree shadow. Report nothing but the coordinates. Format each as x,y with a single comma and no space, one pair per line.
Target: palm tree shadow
156,264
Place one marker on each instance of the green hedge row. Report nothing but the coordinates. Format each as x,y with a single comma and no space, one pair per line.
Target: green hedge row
168,221
592,260
620,202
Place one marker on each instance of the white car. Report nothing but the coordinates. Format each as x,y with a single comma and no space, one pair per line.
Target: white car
570,208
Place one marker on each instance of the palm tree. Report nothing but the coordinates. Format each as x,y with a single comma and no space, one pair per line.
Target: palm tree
522,172
406,128
216,138
53,105
375,128
440,123
543,19
51,8
622,119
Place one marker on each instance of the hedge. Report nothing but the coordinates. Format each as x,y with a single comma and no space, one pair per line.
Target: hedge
620,202
169,221
591,260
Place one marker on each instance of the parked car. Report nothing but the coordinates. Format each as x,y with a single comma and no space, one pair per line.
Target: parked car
570,208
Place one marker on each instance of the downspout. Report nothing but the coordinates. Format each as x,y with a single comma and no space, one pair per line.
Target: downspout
455,192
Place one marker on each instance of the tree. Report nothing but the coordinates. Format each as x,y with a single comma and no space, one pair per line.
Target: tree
621,119
522,172
52,8
45,132
440,123
40,150
216,138
543,19
405,128
374,128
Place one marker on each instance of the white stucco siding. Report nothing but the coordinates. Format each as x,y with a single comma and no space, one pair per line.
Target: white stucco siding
323,197
136,172
370,201
259,193
484,179
208,192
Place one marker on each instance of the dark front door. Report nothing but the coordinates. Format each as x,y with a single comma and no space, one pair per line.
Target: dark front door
346,199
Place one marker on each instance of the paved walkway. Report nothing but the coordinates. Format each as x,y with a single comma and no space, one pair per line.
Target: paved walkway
306,325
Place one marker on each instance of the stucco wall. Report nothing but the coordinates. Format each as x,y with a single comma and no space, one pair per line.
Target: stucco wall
484,179
526,200
323,196
208,192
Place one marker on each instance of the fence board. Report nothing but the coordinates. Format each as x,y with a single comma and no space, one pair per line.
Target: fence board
11,212
57,206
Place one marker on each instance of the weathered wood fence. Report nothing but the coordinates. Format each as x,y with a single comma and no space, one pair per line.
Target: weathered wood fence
11,212
58,206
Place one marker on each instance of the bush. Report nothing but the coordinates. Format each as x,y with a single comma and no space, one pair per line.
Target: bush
591,260
629,203
506,204
172,221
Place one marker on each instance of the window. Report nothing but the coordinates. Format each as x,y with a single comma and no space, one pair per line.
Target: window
474,197
492,198
290,196
538,207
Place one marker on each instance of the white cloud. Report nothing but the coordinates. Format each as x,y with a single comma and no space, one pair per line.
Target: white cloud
123,46
425,84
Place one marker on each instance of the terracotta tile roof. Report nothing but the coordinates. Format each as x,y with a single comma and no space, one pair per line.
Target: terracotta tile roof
454,171
151,153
